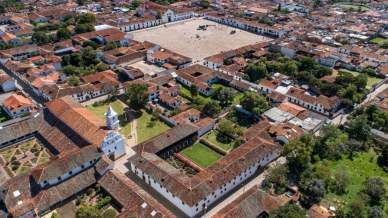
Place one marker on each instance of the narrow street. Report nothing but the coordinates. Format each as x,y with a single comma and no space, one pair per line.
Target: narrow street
131,142
341,119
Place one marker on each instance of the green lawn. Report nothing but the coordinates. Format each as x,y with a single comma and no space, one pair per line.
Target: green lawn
3,116
362,166
204,99
147,129
201,154
371,80
212,137
378,40
117,105
355,7
218,85
7,154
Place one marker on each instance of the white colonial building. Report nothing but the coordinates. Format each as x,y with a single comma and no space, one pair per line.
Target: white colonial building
114,143
194,194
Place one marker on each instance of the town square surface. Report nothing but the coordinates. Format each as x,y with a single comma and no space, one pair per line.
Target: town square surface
185,38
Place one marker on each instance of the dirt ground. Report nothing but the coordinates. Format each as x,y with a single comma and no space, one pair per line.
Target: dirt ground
184,38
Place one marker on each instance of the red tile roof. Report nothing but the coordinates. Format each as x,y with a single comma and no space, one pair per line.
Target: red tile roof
15,102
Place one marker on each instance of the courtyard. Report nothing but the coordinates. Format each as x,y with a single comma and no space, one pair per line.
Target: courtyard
147,68
184,38
22,157
201,154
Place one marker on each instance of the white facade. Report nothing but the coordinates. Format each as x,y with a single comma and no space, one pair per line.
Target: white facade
266,30
211,65
19,111
114,143
167,17
67,175
9,85
192,211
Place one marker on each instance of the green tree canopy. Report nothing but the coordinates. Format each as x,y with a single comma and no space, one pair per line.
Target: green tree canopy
256,71
298,155
288,211
254,103
85,211
63,34
84,28
89,56
225,95
137,95
211,108
374,187
228,128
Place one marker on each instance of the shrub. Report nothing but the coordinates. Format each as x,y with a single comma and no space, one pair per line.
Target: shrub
103,202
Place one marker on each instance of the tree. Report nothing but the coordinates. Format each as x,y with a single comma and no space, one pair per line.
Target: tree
290,68
86,18
359,128
225,95
135,4
102,67
332,142
353,146
329,89
361,81
307,64
254,103
70,70
341,181
89,56
375,189
227,127
193,90
298,155
256,71
110,46
204,4
383,157
376,212
74,59
63,34
85,211
357,208
40,38
81,2
74,81
84,28
211,108
288,211
137,95
317,3
92,44
384,45
314,190
277,178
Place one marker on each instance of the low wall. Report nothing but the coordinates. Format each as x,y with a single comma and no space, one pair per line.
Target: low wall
189,162
214,147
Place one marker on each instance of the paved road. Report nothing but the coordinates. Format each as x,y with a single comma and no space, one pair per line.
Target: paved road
341,119
256,181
